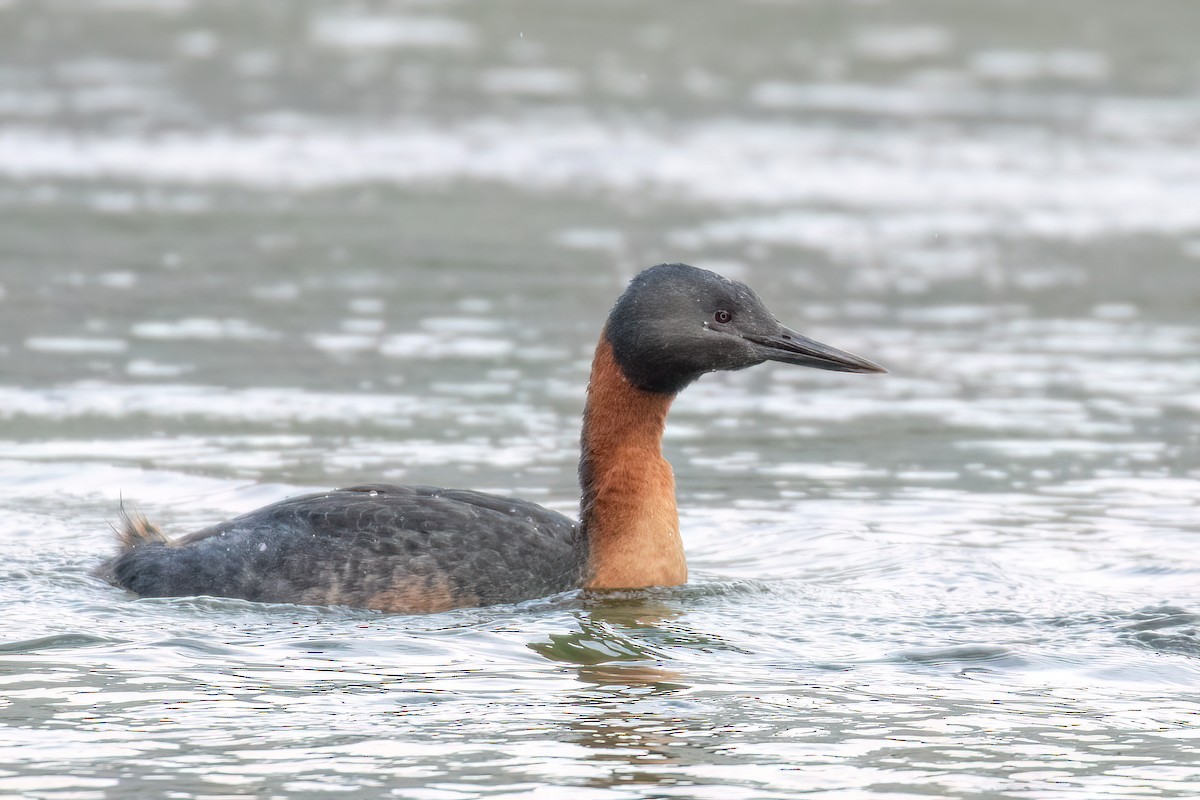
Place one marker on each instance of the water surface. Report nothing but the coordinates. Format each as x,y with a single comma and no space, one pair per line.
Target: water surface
252,250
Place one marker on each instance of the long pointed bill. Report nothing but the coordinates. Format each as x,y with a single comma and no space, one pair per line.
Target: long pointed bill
792,348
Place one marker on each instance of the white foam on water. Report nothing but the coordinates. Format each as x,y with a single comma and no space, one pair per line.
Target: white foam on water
1022,65
146,368
90,399
356,31
366,305
608,240
343,343
437,346
363,326
140,6
533,81
902,42
1025,182
70,344
199,328
456,325
118,280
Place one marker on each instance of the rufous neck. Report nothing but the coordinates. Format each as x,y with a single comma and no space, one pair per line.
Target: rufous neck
629,520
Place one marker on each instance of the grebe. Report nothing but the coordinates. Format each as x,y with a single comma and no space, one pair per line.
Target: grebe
419,549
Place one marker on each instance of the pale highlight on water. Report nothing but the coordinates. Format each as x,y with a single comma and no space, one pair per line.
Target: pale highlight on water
251,251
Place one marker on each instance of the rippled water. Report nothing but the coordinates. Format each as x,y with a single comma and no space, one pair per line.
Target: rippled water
249,250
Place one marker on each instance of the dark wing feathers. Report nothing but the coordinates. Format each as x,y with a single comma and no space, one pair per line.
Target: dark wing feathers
354,546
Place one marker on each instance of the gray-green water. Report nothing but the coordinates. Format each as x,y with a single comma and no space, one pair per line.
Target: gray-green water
252,249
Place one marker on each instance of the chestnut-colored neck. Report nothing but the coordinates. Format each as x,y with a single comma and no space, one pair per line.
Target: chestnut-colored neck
629,521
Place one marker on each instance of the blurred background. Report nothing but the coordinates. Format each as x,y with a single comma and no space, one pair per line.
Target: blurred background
251,249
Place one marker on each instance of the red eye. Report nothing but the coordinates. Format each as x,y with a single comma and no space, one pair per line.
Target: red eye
723,317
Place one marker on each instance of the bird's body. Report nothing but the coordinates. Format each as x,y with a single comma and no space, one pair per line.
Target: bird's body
392,548
420,549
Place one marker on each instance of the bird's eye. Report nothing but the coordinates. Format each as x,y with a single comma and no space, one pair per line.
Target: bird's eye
723,317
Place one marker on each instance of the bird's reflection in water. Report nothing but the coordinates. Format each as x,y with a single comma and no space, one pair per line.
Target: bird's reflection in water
646,676
614,628
635,714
